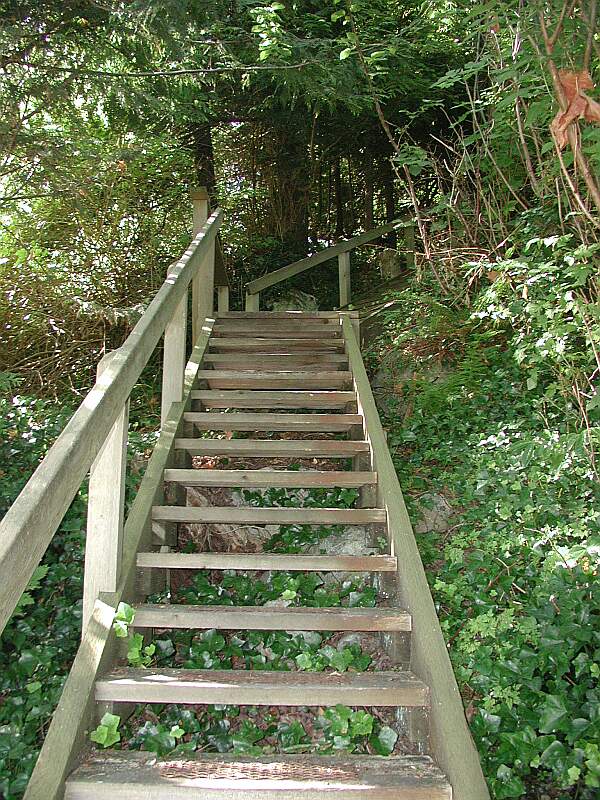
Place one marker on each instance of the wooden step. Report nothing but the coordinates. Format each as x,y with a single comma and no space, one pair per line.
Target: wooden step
133,775
239,421
263,478
273,448
246,379
270,516
275,345
215,398
262,688
259,330
267,561
280,361
271,618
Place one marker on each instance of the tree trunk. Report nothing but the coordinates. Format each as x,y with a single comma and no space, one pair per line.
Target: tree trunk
389,198
204,159
291,187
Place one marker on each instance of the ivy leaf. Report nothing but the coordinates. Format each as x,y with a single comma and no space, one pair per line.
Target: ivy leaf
107,733
552,713
384,742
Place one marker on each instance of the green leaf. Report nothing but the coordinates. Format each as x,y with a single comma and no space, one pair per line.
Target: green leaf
107,733
384,741
552,713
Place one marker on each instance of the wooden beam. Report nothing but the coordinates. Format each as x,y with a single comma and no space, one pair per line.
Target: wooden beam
270,618
217,398
174,359
241,421
273,448
265,478
270,516
31,521
252,301
106,504
296,562
344,278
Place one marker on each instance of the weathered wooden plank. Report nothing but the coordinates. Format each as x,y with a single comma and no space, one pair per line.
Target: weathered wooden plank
270,516
278,362
296,562
286,330
273,448
270,618
344,279
262,478
451,740
247,687
73,717
31,521
231,379
215,398
281,360
142,776
105,518
275,345
271,278
240,421
174,357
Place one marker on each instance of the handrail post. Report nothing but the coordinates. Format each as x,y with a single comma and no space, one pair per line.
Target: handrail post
174,359
344,278
252,301
203,282
106,504
222,298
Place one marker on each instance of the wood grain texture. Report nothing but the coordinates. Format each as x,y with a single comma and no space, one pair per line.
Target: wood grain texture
271,618
267,561
275,344
273,448
270,516
216,398
253,478
240,421
140,776
247,379
247,687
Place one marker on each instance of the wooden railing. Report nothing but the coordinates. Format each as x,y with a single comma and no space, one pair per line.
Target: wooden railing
95,439
341,251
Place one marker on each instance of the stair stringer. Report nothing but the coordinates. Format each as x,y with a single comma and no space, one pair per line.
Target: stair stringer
451,743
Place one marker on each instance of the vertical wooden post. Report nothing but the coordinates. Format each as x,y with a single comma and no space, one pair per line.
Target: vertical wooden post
203,282
253,302
106,503
344,270
409,243
223,298
174,359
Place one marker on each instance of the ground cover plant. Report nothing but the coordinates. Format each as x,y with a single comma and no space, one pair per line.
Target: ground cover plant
500,434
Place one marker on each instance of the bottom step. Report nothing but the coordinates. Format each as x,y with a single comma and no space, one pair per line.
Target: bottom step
133,776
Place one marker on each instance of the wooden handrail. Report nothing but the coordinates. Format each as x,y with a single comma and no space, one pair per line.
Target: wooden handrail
452,745
33,518
271,278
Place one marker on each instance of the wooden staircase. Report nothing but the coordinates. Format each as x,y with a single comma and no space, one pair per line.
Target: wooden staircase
269,376
270,361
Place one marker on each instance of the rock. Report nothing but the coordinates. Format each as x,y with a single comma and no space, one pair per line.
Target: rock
434,512
352,541
348,639
296,300
393,375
